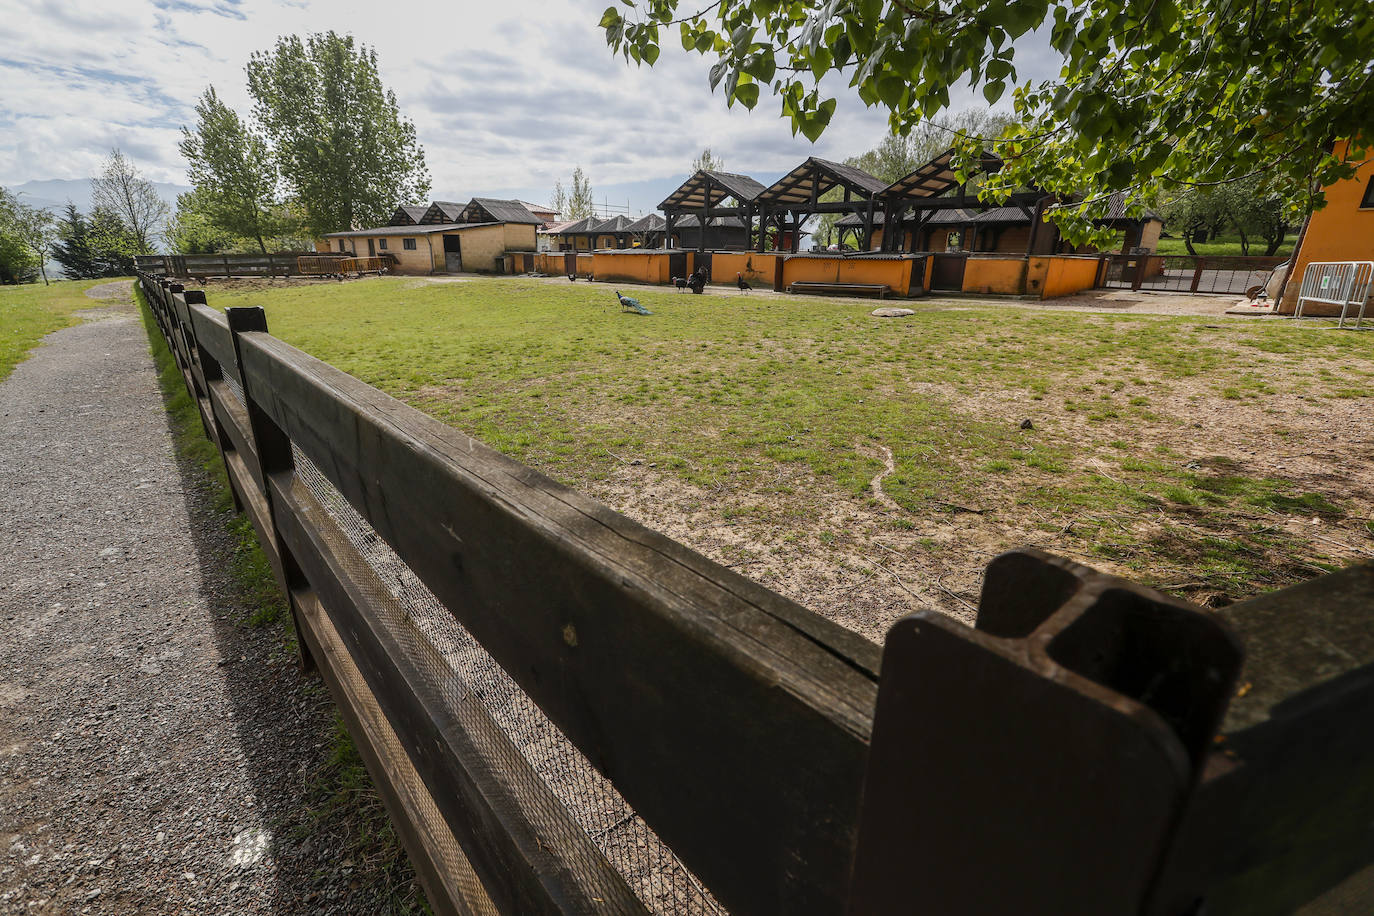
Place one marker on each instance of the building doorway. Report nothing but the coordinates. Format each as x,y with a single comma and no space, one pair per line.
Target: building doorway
453,254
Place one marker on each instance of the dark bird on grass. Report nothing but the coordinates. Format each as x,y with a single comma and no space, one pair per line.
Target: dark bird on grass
680,283
631,305
697,281
572,277
739,281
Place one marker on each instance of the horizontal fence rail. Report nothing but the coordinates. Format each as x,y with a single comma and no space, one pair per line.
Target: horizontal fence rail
1215,274
203,266
565,712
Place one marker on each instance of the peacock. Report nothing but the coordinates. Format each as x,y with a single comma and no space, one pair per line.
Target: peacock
631,305
743,286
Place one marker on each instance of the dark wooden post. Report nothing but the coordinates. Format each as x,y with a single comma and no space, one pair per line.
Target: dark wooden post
274,457
1197,274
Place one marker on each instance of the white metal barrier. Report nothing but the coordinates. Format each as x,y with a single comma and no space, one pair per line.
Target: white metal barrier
1343,283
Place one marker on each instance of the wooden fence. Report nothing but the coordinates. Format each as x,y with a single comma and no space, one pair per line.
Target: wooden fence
281,264
565,712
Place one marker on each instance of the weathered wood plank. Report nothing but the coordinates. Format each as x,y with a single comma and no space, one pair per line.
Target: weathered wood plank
735,721
232,419
213,335
532,857
400,805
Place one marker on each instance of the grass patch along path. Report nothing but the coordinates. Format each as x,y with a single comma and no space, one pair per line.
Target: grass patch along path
28,313
1215,458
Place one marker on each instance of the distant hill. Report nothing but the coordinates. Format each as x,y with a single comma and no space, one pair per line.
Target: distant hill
53,193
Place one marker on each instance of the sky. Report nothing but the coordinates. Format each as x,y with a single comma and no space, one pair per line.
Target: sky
505,96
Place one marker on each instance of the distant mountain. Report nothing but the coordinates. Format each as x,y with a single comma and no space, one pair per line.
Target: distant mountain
53,193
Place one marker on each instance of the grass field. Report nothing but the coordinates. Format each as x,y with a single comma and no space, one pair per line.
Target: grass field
29,312
1214,458
1228,245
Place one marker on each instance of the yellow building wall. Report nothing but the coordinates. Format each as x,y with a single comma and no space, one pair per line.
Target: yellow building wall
481,246
520,236
1149,234
1340,231
323,245
409,262
756,268
997,276
1065,276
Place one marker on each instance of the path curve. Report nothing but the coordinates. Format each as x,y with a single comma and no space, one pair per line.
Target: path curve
122,290
152,751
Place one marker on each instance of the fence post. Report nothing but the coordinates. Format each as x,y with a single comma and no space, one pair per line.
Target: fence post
1197,274
274,456
1141,262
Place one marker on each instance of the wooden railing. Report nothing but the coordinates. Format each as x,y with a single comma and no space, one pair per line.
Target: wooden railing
1067,756
202,266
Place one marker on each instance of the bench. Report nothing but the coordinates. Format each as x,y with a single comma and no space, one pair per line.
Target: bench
874,290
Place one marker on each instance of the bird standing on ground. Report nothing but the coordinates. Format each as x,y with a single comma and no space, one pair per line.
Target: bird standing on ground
572,277
697,281
680,283
631,305
739,281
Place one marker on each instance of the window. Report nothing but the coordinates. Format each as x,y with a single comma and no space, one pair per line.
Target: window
1367,202
381,243
341,246
408,244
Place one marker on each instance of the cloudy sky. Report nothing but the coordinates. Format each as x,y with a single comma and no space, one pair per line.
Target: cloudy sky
506,96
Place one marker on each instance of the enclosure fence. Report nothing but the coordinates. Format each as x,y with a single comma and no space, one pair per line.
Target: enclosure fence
1186,273
1342,283
565,712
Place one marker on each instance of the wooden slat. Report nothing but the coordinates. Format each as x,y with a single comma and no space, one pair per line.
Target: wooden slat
232,418
212,333
531,856
735,721
400,804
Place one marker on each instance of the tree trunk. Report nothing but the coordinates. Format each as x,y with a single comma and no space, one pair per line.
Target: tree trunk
262,244
43,269
1275,241
1188,242
1244,243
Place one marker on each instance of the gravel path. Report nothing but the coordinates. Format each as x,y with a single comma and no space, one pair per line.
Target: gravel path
152,750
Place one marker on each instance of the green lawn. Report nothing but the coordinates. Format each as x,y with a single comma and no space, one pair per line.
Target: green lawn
1167,449
31,311
1228,245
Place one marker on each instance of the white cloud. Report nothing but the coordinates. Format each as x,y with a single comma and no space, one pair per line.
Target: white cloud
503,95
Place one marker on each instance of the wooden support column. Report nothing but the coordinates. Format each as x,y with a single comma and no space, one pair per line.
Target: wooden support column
868,226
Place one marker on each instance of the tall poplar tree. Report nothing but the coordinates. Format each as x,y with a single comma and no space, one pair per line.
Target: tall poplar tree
120,189
232,171
341,144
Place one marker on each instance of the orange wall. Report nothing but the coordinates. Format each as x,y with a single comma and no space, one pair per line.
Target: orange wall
1065,276
1340,231
638,268
756,268
894,274
1004,276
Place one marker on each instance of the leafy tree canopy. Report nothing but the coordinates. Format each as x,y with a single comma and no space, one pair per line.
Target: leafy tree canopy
708,161
232,171
1153,97
580,202
340,141
17,261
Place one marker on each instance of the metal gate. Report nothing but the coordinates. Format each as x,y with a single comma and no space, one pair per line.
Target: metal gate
1219,274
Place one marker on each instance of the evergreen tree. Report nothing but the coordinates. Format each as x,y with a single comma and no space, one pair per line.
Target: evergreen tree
341,144
73,248
580,200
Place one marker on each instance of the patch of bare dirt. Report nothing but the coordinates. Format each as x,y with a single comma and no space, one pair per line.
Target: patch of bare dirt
1125,301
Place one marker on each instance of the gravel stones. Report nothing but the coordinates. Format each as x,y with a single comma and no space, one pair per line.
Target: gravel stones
137,775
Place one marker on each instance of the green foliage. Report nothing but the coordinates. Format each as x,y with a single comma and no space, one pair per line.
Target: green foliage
17,261
73,248
580,202
341,144
126,196
1152,98
708,161
98,246
234,178
195,227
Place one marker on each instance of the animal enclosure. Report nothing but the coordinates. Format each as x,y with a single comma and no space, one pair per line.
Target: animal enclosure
568,713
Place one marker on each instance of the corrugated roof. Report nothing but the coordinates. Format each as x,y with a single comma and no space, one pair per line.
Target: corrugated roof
428,229
501,211
692,192
651,223
446,210
692,221
614,226
579,226
408,214
795,187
